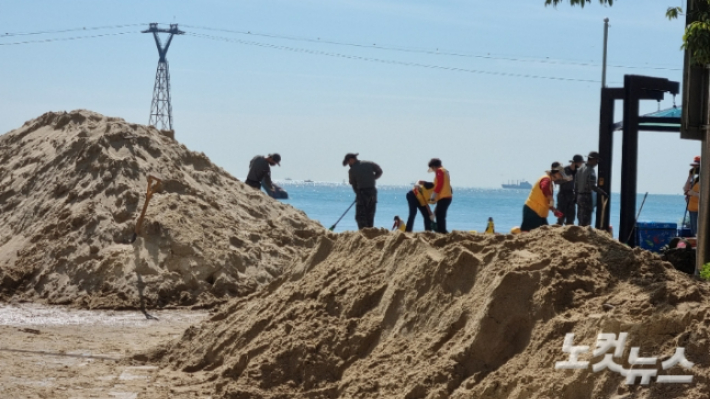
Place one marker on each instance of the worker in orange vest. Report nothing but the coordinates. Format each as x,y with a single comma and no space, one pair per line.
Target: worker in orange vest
541,200
442,194
692,193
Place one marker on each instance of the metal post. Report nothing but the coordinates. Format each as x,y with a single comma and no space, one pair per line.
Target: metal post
606,39
629,160
606,141
702,254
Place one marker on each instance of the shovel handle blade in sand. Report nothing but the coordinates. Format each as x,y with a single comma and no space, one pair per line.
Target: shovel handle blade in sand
631,234
342,216
605,200
153,182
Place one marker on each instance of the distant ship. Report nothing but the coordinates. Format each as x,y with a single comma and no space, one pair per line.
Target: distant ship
308,181
520,184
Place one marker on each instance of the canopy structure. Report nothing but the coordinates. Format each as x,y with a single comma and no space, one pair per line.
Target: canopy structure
636,88
666,120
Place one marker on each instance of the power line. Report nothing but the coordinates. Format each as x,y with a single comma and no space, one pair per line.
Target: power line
385,61
68,30
423,50
339,43
65,39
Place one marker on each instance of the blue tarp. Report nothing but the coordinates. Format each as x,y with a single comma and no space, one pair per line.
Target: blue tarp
664,113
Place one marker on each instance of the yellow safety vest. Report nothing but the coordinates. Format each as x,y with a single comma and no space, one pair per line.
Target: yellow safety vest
537,201
423,194
693,200
446,188
490,228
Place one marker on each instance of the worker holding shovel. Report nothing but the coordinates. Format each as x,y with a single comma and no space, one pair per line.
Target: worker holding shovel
418,199
363,175
541,201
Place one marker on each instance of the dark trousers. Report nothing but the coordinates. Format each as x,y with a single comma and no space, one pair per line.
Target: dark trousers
413,203
531,220
365,206
566,204
254,184
585,206
441,207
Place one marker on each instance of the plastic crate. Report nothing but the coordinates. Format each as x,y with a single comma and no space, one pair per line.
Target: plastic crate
685,232
654,235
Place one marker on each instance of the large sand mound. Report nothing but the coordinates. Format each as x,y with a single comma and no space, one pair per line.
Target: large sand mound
72,187
374,314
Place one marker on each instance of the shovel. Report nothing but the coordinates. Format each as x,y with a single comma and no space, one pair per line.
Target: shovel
341,217
153,183
605,200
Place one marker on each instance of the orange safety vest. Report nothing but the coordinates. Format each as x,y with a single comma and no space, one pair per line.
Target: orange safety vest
693,200
537,201
422,194
446,191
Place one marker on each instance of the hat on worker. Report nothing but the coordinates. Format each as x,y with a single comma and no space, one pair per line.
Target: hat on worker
350,156
276,158
434,163
557,167
696,161
593,155
577,158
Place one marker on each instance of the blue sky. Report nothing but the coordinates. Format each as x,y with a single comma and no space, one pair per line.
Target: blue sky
233,100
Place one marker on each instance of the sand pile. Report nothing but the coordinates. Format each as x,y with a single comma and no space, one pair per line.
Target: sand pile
379,315
72,187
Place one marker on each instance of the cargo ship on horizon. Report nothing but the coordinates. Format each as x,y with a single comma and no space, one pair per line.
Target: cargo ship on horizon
519,184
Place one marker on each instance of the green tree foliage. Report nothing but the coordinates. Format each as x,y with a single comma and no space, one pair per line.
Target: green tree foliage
697,34
705,272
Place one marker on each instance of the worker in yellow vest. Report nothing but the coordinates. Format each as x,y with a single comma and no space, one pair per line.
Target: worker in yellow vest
442,194
418,199
692,192
541,200
399,224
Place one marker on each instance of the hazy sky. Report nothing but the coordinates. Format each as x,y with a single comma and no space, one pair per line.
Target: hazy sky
233,100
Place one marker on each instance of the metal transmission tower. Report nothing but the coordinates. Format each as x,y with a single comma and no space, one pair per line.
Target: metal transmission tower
160,109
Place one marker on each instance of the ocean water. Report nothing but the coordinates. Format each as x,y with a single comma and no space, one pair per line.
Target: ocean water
469,210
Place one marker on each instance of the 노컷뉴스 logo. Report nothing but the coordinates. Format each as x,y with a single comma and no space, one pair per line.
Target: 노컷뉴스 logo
605,342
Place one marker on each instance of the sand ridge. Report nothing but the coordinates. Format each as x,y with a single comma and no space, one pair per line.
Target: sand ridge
72,185
374,314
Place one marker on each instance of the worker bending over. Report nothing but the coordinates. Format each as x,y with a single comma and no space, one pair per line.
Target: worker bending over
260,171
541,200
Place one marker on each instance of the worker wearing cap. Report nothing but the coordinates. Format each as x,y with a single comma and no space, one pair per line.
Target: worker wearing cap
442,194
566,201
692,194
585,181
541,201
363,175
260,171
